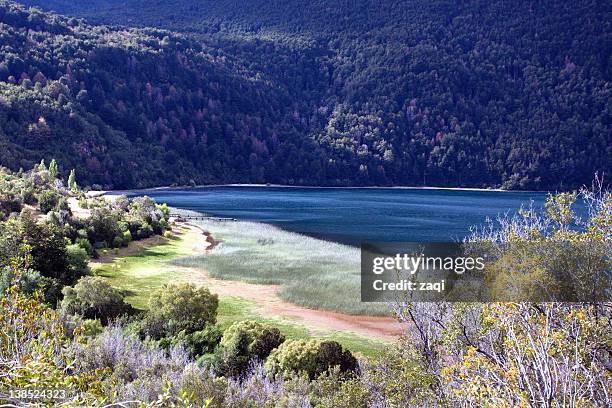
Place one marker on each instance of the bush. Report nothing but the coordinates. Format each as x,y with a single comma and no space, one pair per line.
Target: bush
245,341
47,244
127,237
200,342
94,298
145,231
29,280
91,327
9,205
48,200
104,226
138,371
312,357
86,245
176,308
334,390
28,195
77,260
118,241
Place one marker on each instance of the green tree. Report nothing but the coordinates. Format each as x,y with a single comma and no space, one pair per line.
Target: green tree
72,184
245,341
53,171
180,307
312,357
94,298
48,200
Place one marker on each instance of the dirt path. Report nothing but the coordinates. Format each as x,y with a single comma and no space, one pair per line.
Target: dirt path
271,305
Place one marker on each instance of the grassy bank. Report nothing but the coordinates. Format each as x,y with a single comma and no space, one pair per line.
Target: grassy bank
312,272
141,272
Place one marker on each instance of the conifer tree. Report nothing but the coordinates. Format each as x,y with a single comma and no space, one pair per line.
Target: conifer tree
72,184
53,172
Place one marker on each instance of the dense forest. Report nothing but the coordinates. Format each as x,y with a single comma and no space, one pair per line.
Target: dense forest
445,93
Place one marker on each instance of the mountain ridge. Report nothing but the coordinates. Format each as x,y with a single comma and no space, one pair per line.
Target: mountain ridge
446,95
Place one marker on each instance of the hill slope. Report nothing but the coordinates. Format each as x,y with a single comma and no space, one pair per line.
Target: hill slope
469,93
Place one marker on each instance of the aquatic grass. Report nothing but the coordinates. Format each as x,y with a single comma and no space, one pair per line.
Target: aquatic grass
313,273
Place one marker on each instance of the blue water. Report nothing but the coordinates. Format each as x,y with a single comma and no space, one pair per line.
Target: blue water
354,215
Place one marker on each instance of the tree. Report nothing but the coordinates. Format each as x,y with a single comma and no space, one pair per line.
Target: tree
94,298
312,357
48,200
53,171
33,344
72,184
245,341
181,307
525,353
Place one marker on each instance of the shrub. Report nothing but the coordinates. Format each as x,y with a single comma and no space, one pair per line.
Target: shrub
9,205
138,371
47,244
176,308
245,341
48,200
91,327
200,342
86,245
104,226
118,241
28,195
94,298
312,357
29,280
145,231
77,261
334,390
33,344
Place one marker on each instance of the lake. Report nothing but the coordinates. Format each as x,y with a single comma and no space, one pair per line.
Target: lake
353,215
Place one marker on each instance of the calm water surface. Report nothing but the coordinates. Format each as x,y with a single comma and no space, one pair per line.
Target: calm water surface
355,215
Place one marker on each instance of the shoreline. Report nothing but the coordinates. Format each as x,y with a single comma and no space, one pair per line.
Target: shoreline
270,305
267,304
96,193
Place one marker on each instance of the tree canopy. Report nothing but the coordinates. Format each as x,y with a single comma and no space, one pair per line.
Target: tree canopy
504,94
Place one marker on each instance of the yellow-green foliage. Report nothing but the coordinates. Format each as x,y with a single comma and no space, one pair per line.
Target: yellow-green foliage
244,342
523,354
294,356
547,258
181,307
32,345
309,357
261,338
334,389
551,352
402,378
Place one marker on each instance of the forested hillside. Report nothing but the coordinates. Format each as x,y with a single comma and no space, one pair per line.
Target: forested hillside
447,93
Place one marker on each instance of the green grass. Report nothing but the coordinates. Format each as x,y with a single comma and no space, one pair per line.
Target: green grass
311,272
139,274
